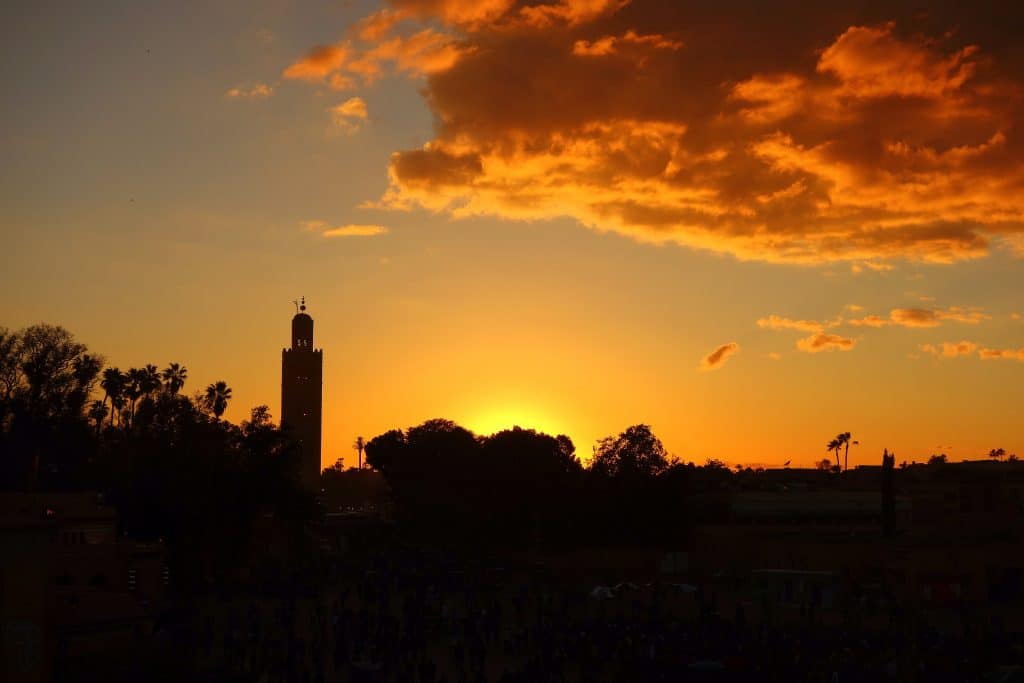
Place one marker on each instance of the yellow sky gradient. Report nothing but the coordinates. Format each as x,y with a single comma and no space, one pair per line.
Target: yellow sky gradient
750,231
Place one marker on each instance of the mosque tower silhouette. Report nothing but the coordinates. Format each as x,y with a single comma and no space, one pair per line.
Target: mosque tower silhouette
302,396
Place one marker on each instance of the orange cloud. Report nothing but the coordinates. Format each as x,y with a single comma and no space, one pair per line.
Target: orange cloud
774,322
950,349
869,321
377,25
717,358
872,62
567,11
464,13
858,268
258,91
926,317
608,45
350,114
320,62
914,317
424,52
898,140
825,342
768,98
996,354
351,230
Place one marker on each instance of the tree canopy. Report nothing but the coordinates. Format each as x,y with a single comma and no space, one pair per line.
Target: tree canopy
635,453
172,468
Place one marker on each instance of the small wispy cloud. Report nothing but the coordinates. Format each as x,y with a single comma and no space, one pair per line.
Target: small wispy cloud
258,91
1002,354
775,322
923,317
927,317
817,343
950,349
719,356
350,114
350,230
874,266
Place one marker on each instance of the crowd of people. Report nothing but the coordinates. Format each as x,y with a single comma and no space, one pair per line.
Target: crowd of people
444,624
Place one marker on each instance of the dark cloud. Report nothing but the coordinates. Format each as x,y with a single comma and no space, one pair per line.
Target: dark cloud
808,133
717,358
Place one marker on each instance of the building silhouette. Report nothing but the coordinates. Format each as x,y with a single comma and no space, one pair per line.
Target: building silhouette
301,395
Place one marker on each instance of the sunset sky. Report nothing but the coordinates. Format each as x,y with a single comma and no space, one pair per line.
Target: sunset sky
751,228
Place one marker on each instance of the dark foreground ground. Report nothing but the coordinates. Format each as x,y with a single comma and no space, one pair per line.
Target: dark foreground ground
428,622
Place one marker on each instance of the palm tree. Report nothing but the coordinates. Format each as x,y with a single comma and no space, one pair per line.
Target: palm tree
136,380
217,396
845,439
835,445
113,384
97,412
997,453
149,379
359,444
174,376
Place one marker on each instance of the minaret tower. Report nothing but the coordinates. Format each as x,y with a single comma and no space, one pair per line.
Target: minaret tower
302,396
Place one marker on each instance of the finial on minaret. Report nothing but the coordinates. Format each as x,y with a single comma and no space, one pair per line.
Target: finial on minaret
303,306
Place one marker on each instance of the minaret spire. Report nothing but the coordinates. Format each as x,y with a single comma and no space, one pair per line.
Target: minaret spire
302,394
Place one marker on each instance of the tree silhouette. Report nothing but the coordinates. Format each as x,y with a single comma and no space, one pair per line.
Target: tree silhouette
8,367
384,451
835,445
46,379
359,445
174,376
133,389
217,396
149,379
259,418
97,413
636,452
997,453
113,385
938,459
844,438
55,374
824,464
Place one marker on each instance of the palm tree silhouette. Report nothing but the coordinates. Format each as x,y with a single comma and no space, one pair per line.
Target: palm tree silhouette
174,376
113,384
359,444
835,445
217,396
149,379
845,439
97,412
997,453
136,380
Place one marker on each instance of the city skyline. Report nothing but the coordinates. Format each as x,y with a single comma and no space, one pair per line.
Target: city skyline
475,256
